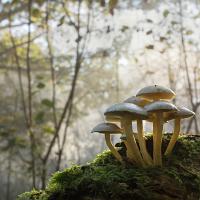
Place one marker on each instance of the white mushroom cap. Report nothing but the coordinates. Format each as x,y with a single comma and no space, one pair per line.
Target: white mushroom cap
155,92
181,113
137,101
160,106
126,109
107,128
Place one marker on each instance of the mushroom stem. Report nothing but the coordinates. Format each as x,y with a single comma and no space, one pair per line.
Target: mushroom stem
154,139
174,137
132,145
130,156
112,148
158,139
142,143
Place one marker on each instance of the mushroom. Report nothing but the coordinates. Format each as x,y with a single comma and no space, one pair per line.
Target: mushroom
129,112
142,142
151,103
107,129
155,92
180,114
157,108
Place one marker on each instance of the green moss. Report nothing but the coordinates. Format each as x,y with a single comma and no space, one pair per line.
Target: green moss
33,195
105,178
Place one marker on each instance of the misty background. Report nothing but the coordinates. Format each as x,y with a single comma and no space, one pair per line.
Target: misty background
64,62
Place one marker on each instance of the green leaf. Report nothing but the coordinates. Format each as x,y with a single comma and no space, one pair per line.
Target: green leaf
169,32
39,118
48,129
124,28
40,77
189,32
149,32
150,46
36,12
166,13
174,22
102,3
20,142
190,42
149,20
40,85
15,2
112,5
40,2
61,21
163,39
47,103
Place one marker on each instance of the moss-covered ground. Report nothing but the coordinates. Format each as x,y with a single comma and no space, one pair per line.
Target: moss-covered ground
104,178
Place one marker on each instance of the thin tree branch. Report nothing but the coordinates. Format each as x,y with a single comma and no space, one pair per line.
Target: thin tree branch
53,77
19,72
190,90
185,54
29,79
4,52
51,59
69,100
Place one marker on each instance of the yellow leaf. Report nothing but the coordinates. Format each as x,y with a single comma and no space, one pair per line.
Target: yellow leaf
112,5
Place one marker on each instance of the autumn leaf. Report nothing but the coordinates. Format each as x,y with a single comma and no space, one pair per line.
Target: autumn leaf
112,5
150,46
149,32
189,32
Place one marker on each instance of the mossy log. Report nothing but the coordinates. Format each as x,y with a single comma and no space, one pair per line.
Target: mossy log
105,178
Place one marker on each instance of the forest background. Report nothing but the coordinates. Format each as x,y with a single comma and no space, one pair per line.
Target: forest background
64,61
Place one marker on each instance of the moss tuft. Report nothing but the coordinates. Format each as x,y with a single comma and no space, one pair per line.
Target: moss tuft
105,178
33,195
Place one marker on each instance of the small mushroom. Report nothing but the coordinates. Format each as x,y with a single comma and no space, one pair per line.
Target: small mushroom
137,101
107,129
157,108
155,92
180,114
142,142
129,112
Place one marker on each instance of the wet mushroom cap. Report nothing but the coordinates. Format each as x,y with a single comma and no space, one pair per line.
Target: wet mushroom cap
126,110
107,128
137,101
160,106
155,92
181,113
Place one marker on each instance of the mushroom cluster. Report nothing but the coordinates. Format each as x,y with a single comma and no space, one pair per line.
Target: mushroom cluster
151,103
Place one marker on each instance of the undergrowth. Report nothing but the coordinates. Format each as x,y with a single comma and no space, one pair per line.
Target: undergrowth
105,178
